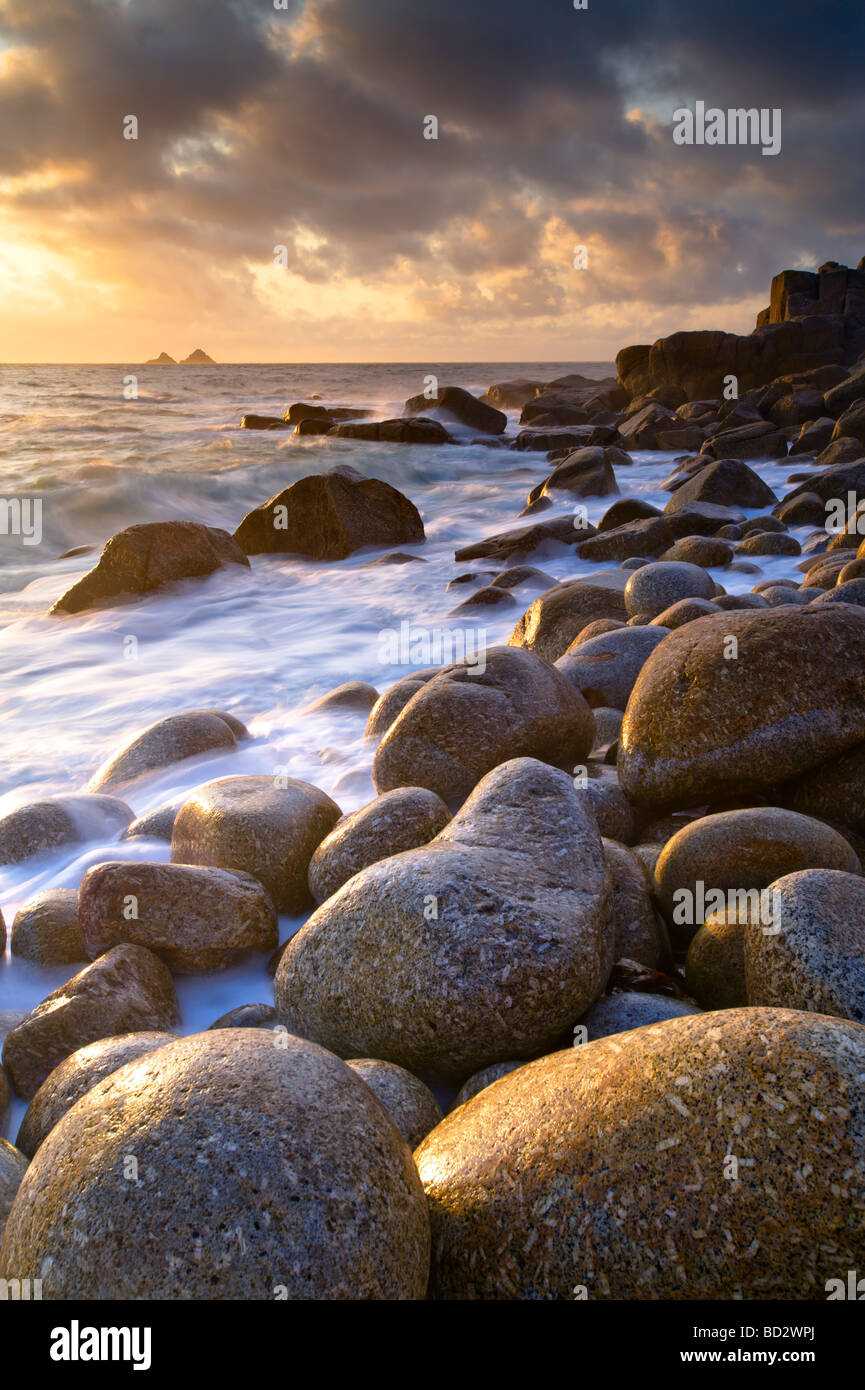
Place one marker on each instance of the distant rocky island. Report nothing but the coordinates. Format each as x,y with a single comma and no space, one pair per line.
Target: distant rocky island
198,358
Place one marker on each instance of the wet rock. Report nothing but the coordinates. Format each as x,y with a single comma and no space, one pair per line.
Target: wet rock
685,610
524,541
399,820
769,543
518,575
851,591
715,964
728,482
248,1016
461,724
487,597
479,947
154,825
268,827
59,822
805,510
169,741
633,538
463,406
549,1136
75,1076
144,558
353,695
418,430
706,551
263,422
327,516
583,473
550,625
394,557
625,510
833,791
758,439
126,991
193,919
654,588
702,725
605,669
410,1104
46,929
226,1128
813,955
512,395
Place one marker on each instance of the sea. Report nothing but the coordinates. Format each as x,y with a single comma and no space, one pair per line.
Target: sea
103,447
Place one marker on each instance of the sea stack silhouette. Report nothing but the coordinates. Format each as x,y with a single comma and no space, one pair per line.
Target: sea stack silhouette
163,360
198,358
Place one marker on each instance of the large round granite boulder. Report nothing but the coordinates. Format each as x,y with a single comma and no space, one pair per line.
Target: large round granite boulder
734,702
464,722
482,946
717,1156
231,1165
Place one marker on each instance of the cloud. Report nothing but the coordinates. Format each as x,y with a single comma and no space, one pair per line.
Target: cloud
304,127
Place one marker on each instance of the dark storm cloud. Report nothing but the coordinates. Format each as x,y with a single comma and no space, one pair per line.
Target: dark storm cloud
260,126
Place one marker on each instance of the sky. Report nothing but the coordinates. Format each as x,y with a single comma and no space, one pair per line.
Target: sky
304,128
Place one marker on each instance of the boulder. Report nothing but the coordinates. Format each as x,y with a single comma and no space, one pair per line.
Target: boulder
625,1146
327,516
477,948
479,1080
410,1104
389,705
60,822
605,669
262,1172
715,964
171,740
769,543
193,919
46,929
145,557
710,718
460,724
653,588
812,957
268,827
639,932
552,622
353,696
627,1009
463,406
758,439
400,820
125,991
643,536
684,610
583,473
418,430
75,1076
706,551
512,395
13,1166
526,540
833,791
726,482
737,853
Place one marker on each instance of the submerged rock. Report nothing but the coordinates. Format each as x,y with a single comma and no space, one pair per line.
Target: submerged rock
146,557
327,516
169,741
125,991
58,822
